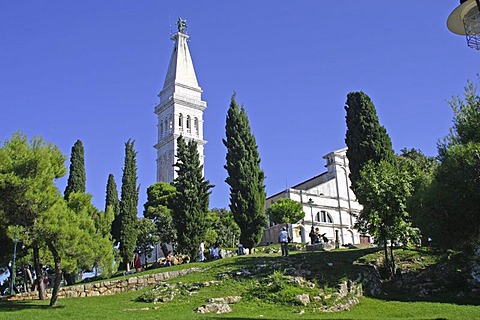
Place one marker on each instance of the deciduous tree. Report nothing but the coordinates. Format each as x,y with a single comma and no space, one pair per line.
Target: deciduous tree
147,237
225,227
421,170
160,197
384,189
285,210
454,198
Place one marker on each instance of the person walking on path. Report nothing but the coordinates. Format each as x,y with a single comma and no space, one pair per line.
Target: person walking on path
137,262
201,249
169,258
283,239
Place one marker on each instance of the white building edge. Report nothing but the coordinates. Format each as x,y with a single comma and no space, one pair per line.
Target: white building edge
328,203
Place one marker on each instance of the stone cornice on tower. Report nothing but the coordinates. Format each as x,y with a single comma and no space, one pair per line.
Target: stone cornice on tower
181,100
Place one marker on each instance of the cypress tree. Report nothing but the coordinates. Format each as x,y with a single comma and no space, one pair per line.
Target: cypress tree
245,178
365,138
111,200
76,183
128,205
190,207
77,178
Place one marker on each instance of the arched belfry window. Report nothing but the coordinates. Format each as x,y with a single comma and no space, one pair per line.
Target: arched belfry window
195,125
180,120
188,124
161,128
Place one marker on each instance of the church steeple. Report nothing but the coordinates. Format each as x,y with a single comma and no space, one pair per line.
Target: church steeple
180,110
180,69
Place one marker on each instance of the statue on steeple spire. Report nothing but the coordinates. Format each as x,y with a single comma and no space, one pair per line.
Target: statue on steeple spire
182,25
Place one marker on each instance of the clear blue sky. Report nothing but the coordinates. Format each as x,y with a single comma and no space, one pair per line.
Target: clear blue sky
91,70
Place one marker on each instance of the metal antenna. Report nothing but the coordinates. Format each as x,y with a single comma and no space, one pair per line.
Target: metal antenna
170,22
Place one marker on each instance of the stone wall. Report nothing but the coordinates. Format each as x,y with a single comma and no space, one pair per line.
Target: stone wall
107,287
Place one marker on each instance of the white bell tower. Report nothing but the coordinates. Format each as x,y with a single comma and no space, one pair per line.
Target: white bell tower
180,110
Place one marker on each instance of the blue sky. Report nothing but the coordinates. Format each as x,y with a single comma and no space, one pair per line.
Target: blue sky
91,70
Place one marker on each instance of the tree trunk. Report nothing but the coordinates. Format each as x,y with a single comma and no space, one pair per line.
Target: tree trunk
58,273
393,270
42,295
385,251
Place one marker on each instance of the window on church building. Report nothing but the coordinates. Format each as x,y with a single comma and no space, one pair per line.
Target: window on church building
195,124
323,216
165,127
180,120
161,129
326,217
170,127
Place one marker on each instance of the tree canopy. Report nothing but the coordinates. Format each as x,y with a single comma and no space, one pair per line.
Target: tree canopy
285,210
160,201
449,212
147,237
384,189
225,227
27,189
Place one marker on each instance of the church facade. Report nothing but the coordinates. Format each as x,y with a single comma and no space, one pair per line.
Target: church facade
328,203
180,110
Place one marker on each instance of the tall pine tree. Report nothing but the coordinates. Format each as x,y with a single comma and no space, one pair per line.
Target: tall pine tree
111,200
245,178
128,205
77,178
191,203
366,139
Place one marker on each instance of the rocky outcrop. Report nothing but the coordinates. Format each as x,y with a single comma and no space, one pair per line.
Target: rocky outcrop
214,308
218,305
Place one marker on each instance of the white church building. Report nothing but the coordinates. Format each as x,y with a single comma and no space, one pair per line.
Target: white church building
328,203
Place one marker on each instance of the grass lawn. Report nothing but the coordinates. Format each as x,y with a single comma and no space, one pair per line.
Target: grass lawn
125,306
